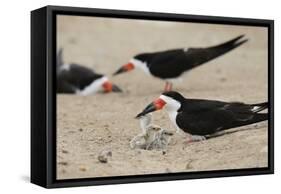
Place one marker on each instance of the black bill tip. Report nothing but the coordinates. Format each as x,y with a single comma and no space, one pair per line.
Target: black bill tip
139,115
121,70
149,108
115,88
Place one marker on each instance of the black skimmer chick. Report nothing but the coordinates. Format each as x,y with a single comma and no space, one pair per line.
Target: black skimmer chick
171,64
77,79
199,117
152,136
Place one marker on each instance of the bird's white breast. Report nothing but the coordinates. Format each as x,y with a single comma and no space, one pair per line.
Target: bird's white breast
140,65
172,106
94,87
173,117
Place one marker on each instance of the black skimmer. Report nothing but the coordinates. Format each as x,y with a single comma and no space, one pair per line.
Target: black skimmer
199,117
171,64
77,79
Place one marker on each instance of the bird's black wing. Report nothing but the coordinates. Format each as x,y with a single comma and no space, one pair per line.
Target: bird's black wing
79,76
202,117
65,87
172,63
168,64
198,56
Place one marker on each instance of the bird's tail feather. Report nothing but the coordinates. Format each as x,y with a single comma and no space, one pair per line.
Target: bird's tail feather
229,45
259,117
259,107
210,53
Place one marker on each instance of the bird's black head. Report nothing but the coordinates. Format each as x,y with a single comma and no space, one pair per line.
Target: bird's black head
106,85
136,61
175,95
143,57
171,99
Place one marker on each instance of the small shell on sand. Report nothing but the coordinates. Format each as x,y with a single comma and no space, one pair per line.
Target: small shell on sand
104,155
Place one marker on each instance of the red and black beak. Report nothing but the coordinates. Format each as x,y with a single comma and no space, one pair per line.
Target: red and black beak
109,87
125,68
154,106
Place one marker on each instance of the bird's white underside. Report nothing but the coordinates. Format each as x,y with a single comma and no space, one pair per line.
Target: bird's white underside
94,87
140,65
62,67
65,67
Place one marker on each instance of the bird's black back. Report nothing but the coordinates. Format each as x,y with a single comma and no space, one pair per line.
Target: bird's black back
165,64
79,76
172,63
203,117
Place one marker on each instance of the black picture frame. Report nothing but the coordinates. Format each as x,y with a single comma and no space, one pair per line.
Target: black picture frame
43,95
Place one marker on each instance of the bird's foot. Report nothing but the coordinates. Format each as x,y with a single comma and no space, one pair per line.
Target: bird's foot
195,138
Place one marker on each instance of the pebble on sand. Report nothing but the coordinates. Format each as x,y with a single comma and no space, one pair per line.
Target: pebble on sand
63,163
83,169
64,151
104,155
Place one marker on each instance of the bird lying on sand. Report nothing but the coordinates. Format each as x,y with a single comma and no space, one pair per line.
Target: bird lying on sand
199,118
152,137
169,65
77,79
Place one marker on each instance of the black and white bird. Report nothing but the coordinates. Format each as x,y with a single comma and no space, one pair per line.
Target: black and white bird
169,65
77,79
199,118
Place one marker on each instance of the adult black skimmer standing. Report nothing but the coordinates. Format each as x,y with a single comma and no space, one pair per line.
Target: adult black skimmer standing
204,117
171,64
77,79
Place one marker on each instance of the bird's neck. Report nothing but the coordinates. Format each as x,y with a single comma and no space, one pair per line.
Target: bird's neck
94,87
140,65
173,115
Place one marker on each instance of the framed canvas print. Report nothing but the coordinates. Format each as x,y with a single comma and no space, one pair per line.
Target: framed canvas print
126,96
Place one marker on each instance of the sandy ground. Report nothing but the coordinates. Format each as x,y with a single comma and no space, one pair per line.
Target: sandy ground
88,125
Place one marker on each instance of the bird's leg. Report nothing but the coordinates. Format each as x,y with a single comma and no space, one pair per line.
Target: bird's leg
194,138
168,87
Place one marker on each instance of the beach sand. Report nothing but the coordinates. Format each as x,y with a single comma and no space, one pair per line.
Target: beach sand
88,125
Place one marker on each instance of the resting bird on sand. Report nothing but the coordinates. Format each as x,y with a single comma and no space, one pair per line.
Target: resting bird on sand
199,118
169,65
77,79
